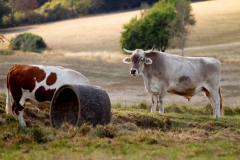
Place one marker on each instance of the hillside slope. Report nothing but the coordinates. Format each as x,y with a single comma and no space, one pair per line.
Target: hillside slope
217,23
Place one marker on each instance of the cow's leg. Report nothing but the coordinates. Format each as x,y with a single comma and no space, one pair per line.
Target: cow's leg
216,101
212,105
214,97
161,108
210,100
161,98
154,102
18,110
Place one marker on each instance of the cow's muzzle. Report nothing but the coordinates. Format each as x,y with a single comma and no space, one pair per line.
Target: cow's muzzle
133,71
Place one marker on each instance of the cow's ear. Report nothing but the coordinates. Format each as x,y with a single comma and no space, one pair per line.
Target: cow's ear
127,60
148,61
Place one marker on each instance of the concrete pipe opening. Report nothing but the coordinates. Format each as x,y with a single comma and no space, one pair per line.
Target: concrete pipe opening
76,104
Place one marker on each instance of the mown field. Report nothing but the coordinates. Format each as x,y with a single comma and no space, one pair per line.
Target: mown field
90,46
135,133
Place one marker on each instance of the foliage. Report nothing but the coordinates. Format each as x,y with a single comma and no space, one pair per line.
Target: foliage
22,12
26,5
41,2
2,38
158,26
4,10
149,30
179,27
27,42
6,52
86,6
54,10
116,5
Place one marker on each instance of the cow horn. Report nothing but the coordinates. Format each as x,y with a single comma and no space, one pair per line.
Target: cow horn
127,51
149,51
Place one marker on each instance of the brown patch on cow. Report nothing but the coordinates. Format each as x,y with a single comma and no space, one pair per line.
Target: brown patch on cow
206,92
16,107
186,93
51,79
23,77
43,95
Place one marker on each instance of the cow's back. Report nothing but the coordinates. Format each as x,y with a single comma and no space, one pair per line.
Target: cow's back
173,66
36,83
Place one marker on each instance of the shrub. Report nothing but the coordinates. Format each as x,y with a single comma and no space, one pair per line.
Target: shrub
28,42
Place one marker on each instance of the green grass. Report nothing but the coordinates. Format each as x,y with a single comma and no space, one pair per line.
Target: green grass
6,52
181,133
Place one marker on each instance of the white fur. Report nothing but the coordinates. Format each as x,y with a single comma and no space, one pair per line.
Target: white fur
21,119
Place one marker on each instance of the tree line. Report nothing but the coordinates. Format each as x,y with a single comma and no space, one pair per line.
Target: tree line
24,12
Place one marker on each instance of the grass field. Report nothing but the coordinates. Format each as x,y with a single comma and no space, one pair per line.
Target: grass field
181,133
90,45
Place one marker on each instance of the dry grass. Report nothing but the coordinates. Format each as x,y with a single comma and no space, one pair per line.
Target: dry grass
135,133
87,34
217,22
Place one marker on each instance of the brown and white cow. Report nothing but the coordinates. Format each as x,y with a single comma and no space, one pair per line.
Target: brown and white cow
184,76
37,85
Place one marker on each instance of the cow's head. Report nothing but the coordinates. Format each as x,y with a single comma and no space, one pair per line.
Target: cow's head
138,59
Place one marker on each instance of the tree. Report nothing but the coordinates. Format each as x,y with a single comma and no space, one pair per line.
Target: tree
179,27
150,29
26,6
85,6
4,10
41,2
166,22
2,38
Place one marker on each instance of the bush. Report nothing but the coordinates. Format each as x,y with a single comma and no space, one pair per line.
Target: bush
28,42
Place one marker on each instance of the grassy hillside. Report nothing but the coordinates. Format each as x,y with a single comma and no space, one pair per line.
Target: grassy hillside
90,46
217,23
181,133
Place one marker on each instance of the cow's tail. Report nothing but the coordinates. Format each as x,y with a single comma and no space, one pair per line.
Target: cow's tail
8,101
221,102
8,107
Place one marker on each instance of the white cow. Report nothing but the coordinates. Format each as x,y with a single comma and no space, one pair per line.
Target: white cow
184,76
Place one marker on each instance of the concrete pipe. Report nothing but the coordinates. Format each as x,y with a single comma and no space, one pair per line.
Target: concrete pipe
76,104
